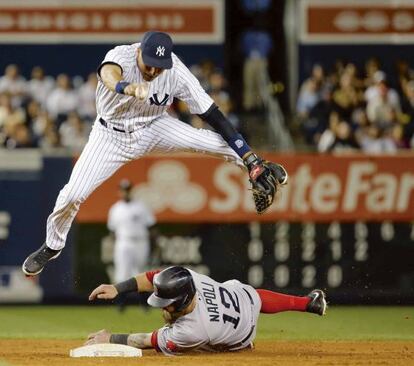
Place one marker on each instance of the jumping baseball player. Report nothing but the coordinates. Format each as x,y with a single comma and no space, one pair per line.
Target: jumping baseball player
137,84
201,314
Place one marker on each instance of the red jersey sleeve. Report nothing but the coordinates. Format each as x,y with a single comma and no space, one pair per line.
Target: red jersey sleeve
150,275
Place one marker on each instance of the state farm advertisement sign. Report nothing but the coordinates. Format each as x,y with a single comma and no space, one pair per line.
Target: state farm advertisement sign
104,21
321,188
362,21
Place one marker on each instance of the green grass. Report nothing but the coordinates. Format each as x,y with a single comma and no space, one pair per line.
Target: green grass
341,323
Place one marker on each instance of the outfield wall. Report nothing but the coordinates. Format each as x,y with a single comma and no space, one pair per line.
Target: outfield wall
344,224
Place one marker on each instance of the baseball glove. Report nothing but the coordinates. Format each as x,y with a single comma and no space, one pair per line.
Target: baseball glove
265,177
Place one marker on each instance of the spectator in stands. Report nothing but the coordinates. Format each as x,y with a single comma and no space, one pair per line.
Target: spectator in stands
397,136
86,94
41,123
74,133
19,136
50,139
372,65
404,75
217,82
9,117
309,96
327,138
40,86
375,141
32,110
318,117
14,84
44,132
408,110
222,99
344,138
346,97
62,100
317,75
383,106
379,86
206,69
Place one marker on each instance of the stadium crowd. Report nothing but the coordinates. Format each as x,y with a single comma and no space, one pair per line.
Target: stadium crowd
341,110
46,112
337,111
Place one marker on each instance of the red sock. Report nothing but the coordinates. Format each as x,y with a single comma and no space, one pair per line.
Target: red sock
275,302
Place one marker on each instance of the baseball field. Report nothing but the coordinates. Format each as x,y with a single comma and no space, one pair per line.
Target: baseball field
43,335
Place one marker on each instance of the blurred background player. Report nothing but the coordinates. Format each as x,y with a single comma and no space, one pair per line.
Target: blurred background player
201,314
131,224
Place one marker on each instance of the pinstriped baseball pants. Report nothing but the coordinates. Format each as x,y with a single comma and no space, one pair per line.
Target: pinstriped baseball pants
107,150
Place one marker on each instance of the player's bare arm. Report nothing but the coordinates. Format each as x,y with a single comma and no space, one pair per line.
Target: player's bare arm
140,283
111,75
137,340
140,340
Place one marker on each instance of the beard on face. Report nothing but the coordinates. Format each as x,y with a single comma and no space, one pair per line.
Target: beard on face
170,318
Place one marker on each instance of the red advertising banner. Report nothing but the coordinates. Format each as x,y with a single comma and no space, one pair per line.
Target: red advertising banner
322,188
362,21
94,21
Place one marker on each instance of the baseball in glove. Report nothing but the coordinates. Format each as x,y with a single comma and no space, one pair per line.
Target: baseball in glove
265,178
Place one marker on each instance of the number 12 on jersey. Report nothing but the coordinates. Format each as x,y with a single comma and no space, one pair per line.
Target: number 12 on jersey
229,301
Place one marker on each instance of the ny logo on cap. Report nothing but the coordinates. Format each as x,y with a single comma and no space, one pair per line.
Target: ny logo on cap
160,51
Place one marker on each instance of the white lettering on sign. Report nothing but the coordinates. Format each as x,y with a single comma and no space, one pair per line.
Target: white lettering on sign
406,187
325,193
356,184
229,188
301,184
180,249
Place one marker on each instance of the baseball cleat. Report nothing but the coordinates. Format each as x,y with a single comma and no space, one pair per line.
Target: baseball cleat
36,261
317,303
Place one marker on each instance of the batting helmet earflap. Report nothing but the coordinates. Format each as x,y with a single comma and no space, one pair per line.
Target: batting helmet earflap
173,286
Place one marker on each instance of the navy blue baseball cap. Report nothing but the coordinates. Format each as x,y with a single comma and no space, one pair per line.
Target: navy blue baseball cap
156,49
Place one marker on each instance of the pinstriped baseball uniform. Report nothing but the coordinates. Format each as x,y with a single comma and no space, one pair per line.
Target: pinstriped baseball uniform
130,222
126,129
224,318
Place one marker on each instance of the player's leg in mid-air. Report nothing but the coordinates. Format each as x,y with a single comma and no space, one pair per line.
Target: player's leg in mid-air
168,134
101,157
275,302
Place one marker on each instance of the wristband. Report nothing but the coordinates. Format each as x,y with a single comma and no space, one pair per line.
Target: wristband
251,160
119,339
120,86
130,285
239,145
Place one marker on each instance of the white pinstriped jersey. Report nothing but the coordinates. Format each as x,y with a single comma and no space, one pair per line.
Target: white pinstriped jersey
224,318
130,221
127,112
141,129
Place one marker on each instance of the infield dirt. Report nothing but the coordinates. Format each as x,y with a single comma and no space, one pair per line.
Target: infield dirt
56,352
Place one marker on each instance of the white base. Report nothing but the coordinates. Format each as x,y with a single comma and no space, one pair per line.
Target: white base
106,350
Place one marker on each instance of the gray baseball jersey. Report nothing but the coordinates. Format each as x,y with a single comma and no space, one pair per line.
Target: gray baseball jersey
126,129
224,319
